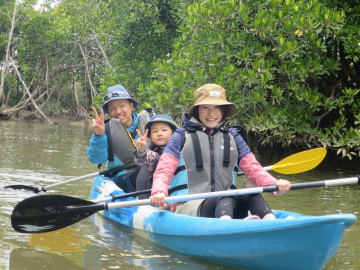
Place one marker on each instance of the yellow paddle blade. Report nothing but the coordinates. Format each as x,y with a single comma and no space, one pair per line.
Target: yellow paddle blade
300,162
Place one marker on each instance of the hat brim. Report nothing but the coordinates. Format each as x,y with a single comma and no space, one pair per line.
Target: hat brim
213,102
105,105
148,125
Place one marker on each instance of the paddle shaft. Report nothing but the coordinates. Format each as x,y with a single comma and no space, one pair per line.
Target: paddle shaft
225,193
45,213
267,168
296,163
239,192
91,175
123,196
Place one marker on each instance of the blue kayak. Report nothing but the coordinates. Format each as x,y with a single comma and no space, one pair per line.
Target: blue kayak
298,242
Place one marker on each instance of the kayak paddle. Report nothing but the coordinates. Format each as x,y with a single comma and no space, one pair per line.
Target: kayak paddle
298,163
123,196
45,213
91,175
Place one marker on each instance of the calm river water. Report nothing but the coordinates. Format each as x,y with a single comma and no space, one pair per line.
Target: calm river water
39,154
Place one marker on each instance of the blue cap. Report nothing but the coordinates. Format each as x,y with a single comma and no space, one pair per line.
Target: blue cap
117,92
161,118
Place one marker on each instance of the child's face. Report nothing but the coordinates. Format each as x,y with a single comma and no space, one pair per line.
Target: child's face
160,133
210,115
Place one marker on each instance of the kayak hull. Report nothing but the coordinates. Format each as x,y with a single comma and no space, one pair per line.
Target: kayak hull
292,241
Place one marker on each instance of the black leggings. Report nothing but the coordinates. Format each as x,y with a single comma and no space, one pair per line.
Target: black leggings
235,207
127,181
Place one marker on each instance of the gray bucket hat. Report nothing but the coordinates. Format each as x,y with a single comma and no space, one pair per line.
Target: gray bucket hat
117,92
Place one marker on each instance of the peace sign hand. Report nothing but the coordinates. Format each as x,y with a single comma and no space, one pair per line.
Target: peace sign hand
141,142
98,124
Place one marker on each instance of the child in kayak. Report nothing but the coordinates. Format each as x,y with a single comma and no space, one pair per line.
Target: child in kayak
159,129
191,167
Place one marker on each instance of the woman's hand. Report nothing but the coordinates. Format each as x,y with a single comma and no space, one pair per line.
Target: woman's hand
98,124
158,199
141,142
283,186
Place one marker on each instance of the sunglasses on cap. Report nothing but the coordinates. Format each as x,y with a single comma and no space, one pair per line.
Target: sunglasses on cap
116,94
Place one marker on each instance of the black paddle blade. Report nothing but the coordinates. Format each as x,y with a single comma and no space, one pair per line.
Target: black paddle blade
23,187
45,213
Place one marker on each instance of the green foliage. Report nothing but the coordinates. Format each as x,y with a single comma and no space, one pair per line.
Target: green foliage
277,59
291,67
142,32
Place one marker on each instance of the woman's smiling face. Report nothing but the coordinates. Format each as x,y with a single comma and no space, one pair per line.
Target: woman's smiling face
210,115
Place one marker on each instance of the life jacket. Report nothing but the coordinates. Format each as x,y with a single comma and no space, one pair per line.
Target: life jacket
120,142
145,177
211,166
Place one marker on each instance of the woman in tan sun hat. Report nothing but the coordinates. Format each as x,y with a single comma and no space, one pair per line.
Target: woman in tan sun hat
204,156
212,94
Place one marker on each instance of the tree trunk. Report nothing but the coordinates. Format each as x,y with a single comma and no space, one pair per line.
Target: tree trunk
104,55
5,66
94,92
29,94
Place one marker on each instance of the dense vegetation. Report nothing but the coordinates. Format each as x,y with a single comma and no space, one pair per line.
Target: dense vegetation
291,67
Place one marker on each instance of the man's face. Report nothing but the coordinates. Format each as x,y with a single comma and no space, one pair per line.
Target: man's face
121,109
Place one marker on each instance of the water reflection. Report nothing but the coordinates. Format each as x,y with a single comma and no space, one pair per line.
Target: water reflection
64,240
25,258
140,252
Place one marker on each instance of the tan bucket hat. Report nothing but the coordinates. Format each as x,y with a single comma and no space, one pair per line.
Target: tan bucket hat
211,94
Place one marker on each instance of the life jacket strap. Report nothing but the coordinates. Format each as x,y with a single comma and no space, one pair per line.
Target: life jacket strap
177,188
197,150
226,159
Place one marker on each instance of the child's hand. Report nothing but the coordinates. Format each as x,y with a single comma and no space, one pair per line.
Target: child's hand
158,199
141,142
283,186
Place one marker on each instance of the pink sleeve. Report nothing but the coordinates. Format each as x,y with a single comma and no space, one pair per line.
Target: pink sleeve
163,174
255,172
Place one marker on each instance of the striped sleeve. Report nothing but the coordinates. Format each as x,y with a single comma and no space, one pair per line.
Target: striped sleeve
164,173
168,163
